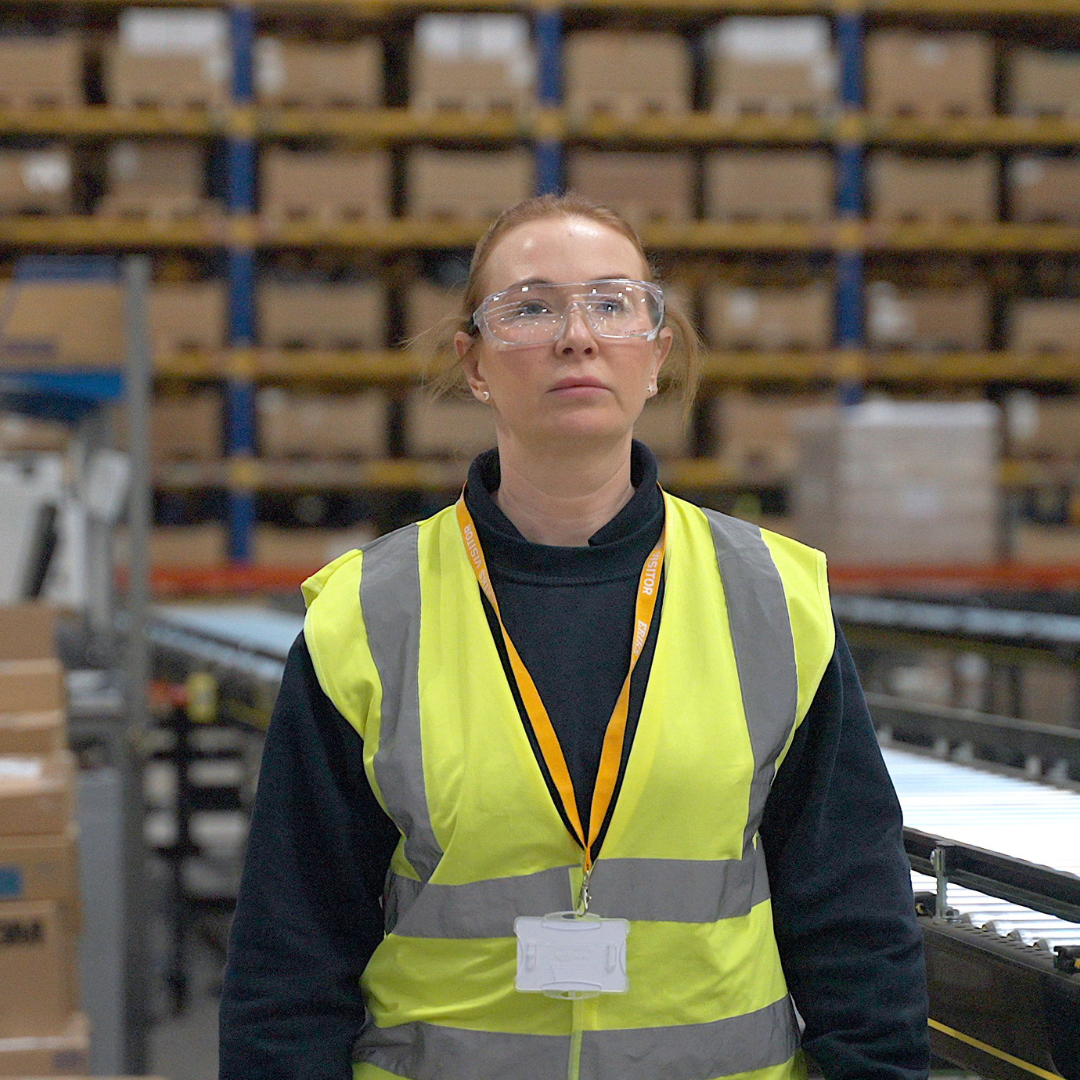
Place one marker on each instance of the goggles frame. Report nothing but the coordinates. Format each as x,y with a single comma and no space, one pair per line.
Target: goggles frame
479,322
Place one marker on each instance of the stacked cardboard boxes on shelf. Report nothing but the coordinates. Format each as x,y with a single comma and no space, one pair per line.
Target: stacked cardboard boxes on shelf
904,188
1044,326
625,73
1044,189
326,187
772,65
41,71
899,483
769,185
465,184
347,315
313,425
187,317
643,186
319,75
36,181
159,179
39,892
456,428
935,319
1044,82
166,59
745,317
476,63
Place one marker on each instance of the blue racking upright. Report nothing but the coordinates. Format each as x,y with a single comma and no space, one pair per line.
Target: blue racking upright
240,387
548,30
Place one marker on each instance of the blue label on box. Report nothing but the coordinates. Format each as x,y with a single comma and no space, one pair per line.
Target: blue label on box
11,882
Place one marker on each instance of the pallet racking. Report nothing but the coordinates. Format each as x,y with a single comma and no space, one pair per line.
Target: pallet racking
240,238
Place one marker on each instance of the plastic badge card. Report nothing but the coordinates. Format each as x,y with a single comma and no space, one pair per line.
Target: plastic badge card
567,955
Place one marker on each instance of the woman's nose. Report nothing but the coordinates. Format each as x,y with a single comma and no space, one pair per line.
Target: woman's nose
577,335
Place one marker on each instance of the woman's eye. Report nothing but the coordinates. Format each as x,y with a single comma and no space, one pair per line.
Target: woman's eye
529,309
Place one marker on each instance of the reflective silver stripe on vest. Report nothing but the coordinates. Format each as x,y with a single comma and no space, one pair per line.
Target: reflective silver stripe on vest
739,1044
390,601
659,890
764,648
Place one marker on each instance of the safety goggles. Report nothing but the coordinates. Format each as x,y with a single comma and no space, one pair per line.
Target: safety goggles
536,314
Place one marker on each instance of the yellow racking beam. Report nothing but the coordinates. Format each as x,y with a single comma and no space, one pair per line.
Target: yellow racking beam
103,232
391,125
106,120
970,132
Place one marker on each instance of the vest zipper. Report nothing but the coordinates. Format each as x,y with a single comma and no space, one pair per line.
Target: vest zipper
577,1022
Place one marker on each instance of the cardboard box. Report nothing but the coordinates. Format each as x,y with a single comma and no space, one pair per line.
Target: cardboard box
33,733
41,868
754,433
188,317
41,72
63,323
642,186
477,63
929,75
319,75
792,185
154,81
329,187
37,969
466,185
35,181
457,428
427,305
898,483
1044,326
664,427
63,1054
178,58
1044,189
945,319
27,631
158,178
776,65
37,794
741,317
31,685
627,73
295,424
187,428
188,545
305,548
1047,428
322,316
1044,82
905,189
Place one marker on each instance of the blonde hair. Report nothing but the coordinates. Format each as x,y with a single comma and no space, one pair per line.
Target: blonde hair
682,370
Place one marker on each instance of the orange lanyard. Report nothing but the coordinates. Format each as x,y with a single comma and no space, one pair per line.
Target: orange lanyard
615,735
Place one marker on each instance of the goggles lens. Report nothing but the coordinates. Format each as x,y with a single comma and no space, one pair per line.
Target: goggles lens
536,314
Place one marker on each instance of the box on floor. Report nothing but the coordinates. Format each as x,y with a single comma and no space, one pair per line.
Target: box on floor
66,1053
36,794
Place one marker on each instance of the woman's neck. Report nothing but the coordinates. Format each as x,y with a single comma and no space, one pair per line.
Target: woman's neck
562,502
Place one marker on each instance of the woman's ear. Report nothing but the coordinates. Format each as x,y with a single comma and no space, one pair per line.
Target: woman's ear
470,364
663,347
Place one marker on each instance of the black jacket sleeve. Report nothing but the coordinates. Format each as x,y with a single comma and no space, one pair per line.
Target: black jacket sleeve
841,892
308,913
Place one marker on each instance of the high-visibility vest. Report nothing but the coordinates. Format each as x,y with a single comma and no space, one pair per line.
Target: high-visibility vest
401,645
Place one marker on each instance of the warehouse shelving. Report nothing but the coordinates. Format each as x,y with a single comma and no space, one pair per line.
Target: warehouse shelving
242,234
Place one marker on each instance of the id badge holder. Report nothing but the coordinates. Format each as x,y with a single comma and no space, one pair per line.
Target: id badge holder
568,955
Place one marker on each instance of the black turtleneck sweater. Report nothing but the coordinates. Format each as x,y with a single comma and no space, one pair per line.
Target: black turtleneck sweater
309,912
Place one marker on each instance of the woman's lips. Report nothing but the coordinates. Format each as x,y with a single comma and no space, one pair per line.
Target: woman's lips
578,384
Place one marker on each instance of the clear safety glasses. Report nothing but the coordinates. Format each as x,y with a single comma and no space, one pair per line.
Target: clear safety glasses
536,314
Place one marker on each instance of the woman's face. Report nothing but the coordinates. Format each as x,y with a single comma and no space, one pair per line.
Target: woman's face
581,389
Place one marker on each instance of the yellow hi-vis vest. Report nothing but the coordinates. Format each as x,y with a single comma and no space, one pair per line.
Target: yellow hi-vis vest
401,645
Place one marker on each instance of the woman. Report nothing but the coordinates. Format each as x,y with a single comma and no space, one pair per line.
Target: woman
568,710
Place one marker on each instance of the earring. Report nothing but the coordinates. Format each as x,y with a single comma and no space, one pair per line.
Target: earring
487,396
650,389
